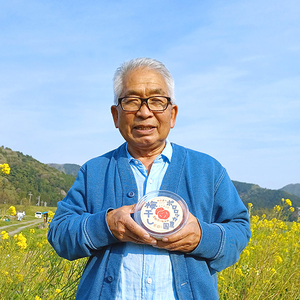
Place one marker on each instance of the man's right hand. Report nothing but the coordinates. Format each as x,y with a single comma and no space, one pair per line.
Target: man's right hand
125,229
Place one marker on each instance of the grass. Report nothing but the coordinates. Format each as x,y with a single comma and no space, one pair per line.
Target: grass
269,267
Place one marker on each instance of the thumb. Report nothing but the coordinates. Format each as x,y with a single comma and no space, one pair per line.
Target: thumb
132,208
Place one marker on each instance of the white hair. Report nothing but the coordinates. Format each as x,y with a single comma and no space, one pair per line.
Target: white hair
150,63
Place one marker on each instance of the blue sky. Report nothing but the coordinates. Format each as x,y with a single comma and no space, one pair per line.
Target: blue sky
235,65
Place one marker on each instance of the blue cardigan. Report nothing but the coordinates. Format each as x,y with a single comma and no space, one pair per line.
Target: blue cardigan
79,227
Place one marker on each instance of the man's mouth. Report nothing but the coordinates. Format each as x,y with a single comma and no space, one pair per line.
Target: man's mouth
144,127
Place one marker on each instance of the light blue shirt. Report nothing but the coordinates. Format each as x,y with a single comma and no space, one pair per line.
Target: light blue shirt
146,272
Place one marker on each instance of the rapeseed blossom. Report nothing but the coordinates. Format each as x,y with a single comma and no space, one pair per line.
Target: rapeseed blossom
5,168
278,259
239,272
288,202
277,207
295,227
5,235
250,208
39,245
50,214
12,210
20,277
22,241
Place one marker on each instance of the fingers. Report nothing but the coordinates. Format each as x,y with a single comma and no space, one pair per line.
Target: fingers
125,229
185,240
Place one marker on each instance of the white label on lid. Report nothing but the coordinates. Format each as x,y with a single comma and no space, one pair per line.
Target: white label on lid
161,214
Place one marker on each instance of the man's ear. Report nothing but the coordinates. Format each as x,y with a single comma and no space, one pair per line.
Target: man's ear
115,115
174,112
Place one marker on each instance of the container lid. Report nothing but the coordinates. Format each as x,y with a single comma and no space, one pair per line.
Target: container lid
161,213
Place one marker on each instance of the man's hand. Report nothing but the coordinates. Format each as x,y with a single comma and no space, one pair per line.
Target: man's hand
125,229
185,240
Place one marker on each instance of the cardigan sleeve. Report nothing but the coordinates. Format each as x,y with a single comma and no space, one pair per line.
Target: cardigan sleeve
228,234
74,232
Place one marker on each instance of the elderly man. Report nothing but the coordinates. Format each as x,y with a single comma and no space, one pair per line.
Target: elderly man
95,219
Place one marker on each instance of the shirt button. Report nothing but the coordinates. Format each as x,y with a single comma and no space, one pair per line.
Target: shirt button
130,194
149,280
109,279
136,162
150,181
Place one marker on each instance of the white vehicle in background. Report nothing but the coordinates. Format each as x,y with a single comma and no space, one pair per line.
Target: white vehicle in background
38,214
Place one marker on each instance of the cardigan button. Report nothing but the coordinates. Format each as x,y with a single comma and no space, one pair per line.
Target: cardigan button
109,279
130,194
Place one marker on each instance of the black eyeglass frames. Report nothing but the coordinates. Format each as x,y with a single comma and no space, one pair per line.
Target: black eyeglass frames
154,103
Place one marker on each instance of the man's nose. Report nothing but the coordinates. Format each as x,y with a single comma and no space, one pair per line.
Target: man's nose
144,110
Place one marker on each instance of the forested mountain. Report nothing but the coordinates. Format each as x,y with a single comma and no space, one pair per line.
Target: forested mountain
263,198
292,188
70,169
31,177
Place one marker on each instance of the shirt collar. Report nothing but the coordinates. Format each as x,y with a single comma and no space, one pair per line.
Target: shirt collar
166,153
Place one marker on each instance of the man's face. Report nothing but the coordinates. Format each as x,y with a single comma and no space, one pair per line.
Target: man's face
144,130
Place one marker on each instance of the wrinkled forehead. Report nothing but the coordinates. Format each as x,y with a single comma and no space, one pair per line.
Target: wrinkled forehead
144,79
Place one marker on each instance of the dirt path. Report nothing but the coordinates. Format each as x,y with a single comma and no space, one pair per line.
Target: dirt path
16,224
20,228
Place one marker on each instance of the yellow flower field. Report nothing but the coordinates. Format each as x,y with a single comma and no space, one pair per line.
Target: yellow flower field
269,267
30,268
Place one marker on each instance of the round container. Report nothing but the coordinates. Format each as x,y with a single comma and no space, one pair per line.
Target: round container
161,213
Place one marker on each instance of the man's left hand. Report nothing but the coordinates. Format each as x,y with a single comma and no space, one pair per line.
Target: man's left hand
185,240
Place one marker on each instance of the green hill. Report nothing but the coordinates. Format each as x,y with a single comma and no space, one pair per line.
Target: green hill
261,197
29,176
292,188
70,169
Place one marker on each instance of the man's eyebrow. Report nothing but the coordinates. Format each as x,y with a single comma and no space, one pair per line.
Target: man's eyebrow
131,92
158,91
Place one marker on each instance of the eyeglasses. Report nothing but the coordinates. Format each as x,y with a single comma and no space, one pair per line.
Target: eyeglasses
134,104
